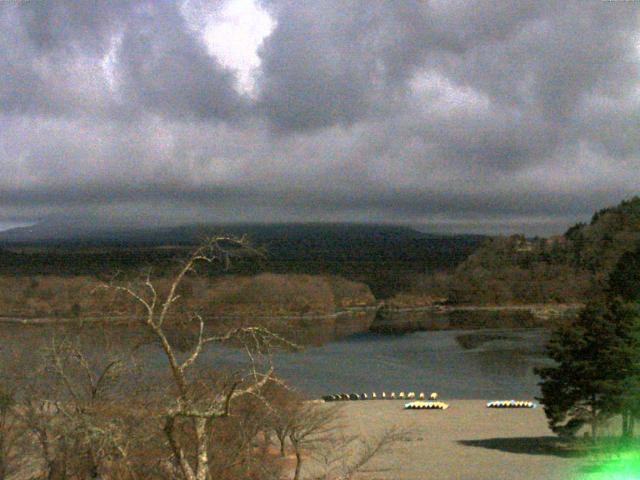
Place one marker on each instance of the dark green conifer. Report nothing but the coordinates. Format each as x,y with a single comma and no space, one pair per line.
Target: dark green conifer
594,357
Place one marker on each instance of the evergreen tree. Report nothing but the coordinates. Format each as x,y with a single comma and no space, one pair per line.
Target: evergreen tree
590,382
630,392
624,286
624,280
627,356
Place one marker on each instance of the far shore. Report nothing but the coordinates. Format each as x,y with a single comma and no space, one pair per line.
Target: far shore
541,310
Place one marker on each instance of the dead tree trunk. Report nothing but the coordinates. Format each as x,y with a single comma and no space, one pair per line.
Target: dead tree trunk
296,475
187,407
202,472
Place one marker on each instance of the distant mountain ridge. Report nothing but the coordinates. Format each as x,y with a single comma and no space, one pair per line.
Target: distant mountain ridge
87,232
383,256
391,259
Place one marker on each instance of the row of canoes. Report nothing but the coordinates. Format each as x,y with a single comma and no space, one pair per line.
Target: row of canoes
494,404
511,404
421,403
374,396
418,405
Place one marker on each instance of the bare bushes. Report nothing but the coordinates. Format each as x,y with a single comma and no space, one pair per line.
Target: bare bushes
101,411
264,294
9,435
347,293
507,285
273,294
319,441
55,296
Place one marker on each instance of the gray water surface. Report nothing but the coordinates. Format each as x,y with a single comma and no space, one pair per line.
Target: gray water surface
483,364
419,361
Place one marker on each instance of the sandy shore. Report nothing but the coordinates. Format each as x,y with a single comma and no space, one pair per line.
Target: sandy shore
466,441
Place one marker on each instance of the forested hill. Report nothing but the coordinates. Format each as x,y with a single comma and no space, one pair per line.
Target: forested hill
386,257
612,231
464,269
566,268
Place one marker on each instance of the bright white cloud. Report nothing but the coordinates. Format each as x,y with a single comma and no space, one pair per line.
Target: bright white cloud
438,92
8,225
109,63
233,35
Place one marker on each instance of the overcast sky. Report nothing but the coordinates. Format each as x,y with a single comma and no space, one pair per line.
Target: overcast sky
488,116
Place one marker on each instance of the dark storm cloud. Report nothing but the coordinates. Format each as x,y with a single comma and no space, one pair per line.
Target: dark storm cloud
57,25
52,49
537,63
336,61
399,204
166,70
47,47
386,111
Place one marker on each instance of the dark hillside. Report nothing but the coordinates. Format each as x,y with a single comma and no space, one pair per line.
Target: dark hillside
612,231
562,269
385,257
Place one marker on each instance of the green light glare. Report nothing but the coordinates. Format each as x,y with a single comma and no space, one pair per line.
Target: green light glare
624,465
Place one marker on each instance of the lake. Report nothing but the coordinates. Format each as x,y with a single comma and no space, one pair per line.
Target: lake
454,363
471,364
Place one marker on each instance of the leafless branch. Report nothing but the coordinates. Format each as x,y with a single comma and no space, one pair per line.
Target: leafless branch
192,406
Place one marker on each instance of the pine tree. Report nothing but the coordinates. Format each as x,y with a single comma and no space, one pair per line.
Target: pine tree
591,379
624,290
624,280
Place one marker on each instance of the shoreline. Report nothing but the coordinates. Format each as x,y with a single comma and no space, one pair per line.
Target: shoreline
538,310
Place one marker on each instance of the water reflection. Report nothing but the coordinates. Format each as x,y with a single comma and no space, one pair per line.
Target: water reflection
419,361
503,364
496,364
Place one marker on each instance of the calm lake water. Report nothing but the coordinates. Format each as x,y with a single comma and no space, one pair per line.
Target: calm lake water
456,364
482,364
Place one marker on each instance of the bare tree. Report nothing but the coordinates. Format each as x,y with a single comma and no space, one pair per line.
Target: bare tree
86,413
345,456
9,434
188,419
281,416
70,412
238,449
317,435
311,426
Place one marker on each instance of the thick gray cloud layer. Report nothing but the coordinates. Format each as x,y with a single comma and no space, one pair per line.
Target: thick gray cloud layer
452,114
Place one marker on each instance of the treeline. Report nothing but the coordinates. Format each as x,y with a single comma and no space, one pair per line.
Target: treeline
262,295
563,269
386,258
597,246
392,261
596,376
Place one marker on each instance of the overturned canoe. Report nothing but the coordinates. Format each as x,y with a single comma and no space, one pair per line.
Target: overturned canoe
511,404
418,405
374,396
